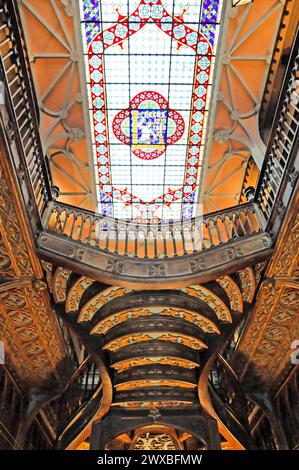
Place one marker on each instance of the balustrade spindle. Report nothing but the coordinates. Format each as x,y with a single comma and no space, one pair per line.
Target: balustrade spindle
210,236
218,231
83,221
116,236
241,223
154,241
193,237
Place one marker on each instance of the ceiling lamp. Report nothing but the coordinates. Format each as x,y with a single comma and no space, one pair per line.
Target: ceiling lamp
237,3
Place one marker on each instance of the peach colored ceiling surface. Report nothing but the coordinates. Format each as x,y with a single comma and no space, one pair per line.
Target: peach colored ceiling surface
52,31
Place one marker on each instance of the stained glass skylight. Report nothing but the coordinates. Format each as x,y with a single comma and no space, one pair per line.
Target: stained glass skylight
149,69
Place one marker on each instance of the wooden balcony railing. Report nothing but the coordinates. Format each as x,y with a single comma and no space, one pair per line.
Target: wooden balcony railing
283,143
164,240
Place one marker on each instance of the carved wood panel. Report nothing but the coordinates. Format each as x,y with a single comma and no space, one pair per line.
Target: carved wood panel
28,326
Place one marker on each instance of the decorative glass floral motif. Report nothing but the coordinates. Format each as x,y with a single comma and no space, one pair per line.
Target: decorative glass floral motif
150,125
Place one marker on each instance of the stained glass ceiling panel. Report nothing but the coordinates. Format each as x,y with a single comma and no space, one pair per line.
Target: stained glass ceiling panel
149,73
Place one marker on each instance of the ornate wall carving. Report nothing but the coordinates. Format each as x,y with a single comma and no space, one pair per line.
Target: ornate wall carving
27,324
288,264
12,245
272,331
274,325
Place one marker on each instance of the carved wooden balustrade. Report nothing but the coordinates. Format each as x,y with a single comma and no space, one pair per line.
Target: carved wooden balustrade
228,399
263,421
283,147
126,252
80,401
164,240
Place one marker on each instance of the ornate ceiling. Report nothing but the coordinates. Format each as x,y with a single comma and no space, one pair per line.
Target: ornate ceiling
153,344
53,37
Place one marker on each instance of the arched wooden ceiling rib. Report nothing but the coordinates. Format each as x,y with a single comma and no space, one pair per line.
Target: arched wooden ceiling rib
94,304
154,344
233,292
59,282
51,31
76,291
174,337
154,383
193,317
141,361
153,404
211,299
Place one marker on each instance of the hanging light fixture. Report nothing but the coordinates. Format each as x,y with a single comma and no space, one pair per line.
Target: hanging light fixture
237,3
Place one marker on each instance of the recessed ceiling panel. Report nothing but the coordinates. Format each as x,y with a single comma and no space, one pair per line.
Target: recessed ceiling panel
149,69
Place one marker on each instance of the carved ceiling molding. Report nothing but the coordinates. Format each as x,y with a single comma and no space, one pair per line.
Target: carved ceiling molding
162,360
75,293
180,338
154,383
94,304
248,283
28,325
214,302
60,279
192,317
152,404
233,292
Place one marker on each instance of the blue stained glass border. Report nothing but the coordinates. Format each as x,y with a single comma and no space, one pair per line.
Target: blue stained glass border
106,204
208,19
187,206
91,13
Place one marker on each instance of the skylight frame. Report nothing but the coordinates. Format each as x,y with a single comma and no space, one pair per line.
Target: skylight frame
91,31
